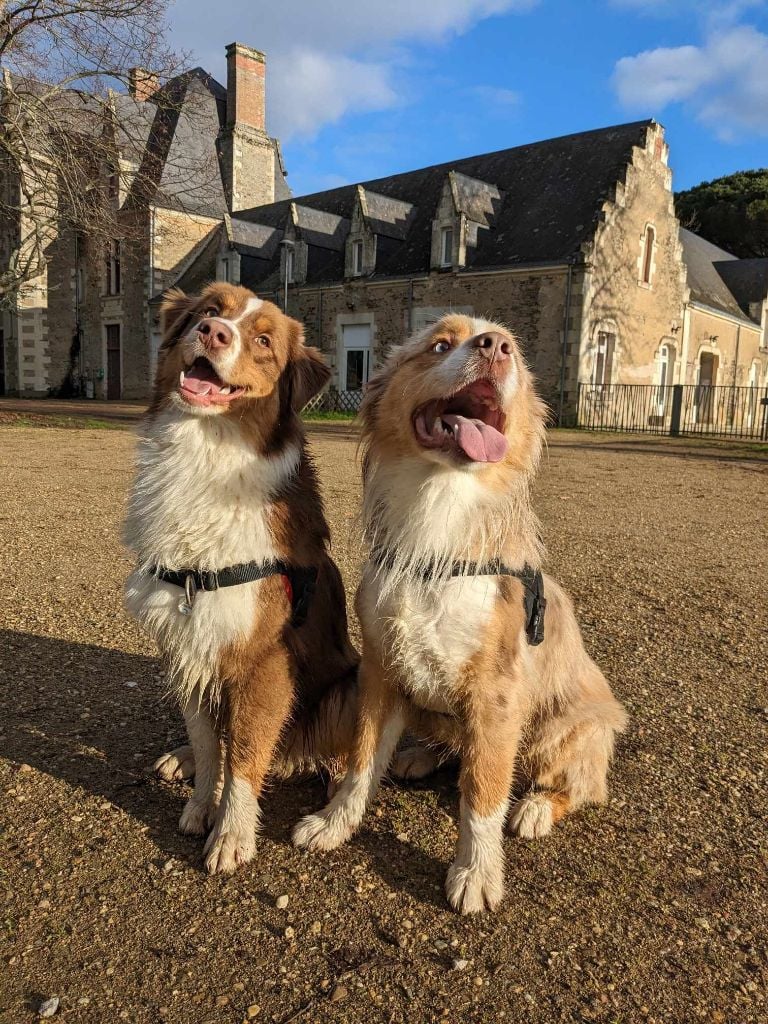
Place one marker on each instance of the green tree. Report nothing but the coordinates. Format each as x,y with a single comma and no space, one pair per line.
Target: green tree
731,212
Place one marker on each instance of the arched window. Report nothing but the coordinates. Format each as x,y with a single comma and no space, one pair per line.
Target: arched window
650,241
602,370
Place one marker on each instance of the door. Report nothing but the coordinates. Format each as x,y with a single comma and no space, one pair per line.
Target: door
705,395
356,357
114,376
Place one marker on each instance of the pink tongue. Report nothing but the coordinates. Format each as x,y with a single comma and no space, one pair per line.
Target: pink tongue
201,379
479,441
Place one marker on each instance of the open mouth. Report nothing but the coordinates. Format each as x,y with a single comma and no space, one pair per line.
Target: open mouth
199,384
469,424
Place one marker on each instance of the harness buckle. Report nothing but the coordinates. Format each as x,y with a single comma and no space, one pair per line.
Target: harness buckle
187,603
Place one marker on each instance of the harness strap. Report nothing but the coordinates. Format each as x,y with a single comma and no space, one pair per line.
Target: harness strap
533,586
301,582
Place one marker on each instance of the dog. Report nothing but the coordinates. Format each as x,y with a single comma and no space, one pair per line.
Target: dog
458,649
233,577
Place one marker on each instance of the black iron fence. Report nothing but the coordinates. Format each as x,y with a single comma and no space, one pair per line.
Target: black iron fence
675,409
335,401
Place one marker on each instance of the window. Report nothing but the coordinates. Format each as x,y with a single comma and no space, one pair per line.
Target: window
289,265
666,376
446,247
648,245
603,369
113,279
357,258
752,400
113,182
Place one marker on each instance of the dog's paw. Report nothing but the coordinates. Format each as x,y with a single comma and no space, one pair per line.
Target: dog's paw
323,831
197,817
473,888
532,816
225,852
177,765
413,762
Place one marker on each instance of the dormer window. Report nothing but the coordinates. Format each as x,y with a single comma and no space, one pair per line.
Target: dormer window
446,247
357,258
649,243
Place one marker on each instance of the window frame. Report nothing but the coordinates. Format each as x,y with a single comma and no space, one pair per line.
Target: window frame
446,258
649,247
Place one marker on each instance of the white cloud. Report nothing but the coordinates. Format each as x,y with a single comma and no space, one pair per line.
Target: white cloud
327,58
724,81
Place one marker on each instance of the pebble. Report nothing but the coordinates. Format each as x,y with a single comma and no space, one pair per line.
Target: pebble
24,768
281,902
340,992
169,866
253,1011
460,965
289,932
222,1000
49,1007
316,927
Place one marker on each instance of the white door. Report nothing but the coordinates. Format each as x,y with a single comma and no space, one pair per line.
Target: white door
355,364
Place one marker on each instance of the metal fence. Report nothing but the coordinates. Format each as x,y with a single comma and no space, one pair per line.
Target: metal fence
677,409
335,401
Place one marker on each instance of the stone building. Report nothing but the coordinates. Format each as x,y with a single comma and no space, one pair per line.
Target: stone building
205,152
572,242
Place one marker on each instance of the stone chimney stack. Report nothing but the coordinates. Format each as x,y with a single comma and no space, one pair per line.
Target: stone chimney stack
248,154
142,84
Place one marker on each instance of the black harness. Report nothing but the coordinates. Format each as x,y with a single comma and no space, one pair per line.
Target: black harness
300,583
533,586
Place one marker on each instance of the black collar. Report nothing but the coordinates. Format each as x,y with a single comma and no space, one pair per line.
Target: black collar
299,582
532,580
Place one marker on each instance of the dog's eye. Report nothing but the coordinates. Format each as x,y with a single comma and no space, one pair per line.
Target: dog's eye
264,340
441,346
212,311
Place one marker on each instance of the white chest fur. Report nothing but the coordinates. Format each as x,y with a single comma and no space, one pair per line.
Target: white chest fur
427,634
201,499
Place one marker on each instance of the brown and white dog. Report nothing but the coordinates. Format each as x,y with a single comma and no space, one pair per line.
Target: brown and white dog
453,432
224,479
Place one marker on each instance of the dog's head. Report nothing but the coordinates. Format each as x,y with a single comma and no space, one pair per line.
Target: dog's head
458,394
226,349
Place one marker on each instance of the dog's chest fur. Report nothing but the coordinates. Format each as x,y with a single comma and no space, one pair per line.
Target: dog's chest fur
428,634
201,499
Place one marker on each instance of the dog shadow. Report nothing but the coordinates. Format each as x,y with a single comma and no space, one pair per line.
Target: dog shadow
97,718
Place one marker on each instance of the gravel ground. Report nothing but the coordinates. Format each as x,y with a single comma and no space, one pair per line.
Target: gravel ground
650,909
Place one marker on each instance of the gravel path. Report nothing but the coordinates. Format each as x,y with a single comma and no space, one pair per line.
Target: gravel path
650,909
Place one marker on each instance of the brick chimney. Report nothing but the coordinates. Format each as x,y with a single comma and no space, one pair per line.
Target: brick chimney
142,84
246,73
247,152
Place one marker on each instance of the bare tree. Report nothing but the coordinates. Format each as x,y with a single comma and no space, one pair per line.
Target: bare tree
74,127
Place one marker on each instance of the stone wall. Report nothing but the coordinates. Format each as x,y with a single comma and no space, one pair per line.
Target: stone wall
530,303
614,298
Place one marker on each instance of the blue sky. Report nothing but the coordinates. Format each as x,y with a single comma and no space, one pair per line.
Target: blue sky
357,90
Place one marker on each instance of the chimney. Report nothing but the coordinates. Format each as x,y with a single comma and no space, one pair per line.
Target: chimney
142,84
246,71
247,152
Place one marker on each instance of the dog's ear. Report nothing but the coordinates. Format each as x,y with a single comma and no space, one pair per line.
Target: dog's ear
306,374
175,314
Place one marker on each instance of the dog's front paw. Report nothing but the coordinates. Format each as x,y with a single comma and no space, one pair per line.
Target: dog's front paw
225,852
197,817
323,831
473,888
177,765
532,816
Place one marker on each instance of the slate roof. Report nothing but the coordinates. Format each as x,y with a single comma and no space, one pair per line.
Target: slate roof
172,136
706,283
747,280
549,198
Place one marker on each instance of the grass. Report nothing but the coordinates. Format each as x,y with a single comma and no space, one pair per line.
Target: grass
12,419
328,417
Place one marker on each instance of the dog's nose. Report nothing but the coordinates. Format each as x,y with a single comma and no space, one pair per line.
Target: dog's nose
494,346
214,334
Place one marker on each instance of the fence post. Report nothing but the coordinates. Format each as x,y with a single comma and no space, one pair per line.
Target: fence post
677,408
